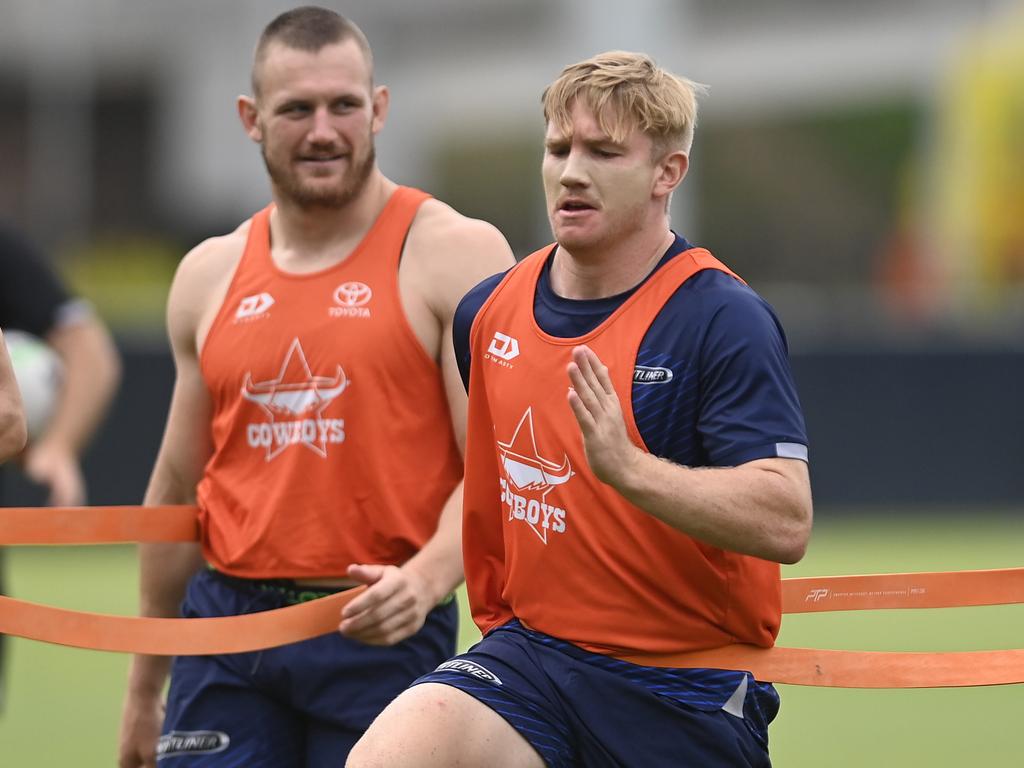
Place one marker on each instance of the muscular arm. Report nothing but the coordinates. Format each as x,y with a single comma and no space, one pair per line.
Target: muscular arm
474,252
166,568
439,564
761,508
456,254
12,417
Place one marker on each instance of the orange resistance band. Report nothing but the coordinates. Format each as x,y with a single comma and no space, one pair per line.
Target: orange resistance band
795,666
947,589
97,525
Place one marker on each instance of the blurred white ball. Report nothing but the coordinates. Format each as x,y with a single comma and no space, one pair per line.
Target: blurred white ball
39,371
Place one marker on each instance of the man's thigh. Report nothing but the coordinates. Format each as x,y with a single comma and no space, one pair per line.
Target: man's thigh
576,709
433,725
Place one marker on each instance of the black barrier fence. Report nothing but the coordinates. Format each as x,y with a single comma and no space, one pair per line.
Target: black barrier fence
938,427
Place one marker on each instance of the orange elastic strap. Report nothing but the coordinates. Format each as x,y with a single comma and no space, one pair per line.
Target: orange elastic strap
796,666
97,525
856,669
945,589
173,637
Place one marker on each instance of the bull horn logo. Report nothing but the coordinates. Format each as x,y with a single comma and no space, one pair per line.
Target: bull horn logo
524,465
295,399
295,391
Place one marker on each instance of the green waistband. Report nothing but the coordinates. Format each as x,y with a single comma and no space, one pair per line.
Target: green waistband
291,592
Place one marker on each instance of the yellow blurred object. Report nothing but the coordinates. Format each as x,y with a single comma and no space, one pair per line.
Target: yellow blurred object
126,280
977,198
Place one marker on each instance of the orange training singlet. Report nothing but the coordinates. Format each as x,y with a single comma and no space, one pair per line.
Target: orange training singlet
548,543
332,438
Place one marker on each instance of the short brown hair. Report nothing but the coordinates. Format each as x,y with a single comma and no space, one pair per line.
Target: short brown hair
308,28
625,91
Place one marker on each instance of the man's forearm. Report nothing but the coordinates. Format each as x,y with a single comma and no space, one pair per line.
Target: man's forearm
164,572
439,563
92,371
756,508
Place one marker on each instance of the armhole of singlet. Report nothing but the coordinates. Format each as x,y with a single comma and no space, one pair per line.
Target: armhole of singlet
426,197
219,319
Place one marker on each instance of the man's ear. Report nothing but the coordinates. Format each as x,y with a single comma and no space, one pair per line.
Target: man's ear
381,102
671,172
249,116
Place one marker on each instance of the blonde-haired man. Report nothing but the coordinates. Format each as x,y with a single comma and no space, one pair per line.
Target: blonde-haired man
645,513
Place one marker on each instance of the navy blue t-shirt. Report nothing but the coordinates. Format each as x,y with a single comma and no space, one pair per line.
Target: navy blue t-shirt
712,384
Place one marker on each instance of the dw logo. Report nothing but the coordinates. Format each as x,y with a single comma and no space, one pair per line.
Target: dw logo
252,306
503,347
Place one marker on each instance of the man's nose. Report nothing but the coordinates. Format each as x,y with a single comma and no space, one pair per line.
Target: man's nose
322,129
574,172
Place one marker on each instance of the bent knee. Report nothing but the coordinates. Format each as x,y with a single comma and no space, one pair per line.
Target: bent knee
364,755
408,733
375,750
436,726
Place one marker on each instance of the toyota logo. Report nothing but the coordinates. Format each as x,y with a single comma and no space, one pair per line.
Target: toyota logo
352,294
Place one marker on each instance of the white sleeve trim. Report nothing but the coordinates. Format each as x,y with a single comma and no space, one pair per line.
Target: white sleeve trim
73,312
791,451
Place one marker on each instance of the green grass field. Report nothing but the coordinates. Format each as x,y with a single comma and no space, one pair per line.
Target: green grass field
63,705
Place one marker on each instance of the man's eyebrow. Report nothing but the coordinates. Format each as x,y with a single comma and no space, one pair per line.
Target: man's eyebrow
602,141
589,141
290,101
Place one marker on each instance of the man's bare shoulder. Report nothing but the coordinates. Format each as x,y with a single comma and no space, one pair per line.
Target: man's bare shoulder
202,279
455,250
437,223
212,259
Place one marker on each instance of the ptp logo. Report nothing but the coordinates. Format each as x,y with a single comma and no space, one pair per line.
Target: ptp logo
816,594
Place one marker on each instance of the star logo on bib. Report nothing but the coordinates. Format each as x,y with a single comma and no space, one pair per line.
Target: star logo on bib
294,401
525,473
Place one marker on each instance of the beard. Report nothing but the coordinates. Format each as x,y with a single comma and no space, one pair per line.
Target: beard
301,193
618,226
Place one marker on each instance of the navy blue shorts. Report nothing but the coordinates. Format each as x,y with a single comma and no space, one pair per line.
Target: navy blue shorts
297,706
582,709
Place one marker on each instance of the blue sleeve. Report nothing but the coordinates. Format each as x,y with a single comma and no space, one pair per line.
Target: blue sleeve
462,323
748,406
712,384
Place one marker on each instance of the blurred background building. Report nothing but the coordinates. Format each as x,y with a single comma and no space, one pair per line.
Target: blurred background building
860,164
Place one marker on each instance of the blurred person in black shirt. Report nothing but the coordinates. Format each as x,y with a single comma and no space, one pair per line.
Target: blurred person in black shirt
33,300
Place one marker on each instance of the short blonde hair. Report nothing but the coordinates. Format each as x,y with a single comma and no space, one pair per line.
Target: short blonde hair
625,91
